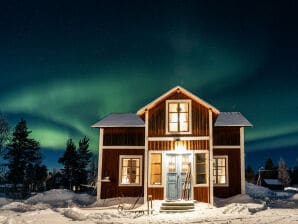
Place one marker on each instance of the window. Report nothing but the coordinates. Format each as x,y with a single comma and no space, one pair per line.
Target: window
130,170
178,116
155,169
220,170
201,168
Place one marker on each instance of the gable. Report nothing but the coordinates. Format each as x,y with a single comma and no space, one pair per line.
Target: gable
177,93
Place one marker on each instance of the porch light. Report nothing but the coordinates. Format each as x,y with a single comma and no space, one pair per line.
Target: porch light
180,147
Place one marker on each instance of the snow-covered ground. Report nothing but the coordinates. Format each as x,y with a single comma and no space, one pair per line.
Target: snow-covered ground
258,206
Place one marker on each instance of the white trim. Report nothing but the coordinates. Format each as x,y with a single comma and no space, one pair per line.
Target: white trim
123,147
226,146
149,172
176,89
152,139
211,157
194,178
227,170
242,160
140,157
99,171
189,118
146,156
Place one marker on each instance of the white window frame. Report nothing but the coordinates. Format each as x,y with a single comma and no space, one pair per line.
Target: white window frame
162,170
195,170
189,117
140,157
227,170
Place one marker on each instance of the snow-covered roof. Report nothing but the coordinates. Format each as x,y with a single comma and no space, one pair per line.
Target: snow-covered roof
231,119
171,91
272,181
120,120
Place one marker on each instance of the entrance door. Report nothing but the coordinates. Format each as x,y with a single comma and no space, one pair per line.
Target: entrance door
177,167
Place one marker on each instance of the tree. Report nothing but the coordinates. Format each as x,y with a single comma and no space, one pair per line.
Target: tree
269,164
4,131
4,136
84,156
23,157
250,174
283,174
70,172
270,170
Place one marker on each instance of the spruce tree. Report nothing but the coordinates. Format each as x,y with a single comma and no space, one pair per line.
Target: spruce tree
70,171
250,174
84,156
283,174
22,155
4,131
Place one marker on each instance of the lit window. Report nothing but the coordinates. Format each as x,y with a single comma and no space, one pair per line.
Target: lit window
155,169
220,174
130,170
201,168
178,117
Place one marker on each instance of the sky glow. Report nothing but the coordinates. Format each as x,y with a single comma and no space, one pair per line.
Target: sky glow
65,66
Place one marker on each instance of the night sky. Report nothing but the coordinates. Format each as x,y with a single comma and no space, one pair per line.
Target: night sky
65,65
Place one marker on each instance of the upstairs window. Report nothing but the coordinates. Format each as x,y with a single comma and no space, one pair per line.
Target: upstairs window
178,116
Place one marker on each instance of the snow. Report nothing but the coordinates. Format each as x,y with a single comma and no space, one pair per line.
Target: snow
260,205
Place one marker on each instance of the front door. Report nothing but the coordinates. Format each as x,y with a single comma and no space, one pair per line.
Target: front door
177,168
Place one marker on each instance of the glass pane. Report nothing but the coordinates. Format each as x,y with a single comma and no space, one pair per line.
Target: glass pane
173,117
173,127
201,179
183,107
183,117
173,107
125,162
155,178
184,126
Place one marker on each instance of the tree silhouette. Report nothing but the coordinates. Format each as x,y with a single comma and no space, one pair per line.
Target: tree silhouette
84,156
283,174
23,158
70,172
249,174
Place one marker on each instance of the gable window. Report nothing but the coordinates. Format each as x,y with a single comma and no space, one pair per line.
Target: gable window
220,170
130,170
155,169
201,168
178,116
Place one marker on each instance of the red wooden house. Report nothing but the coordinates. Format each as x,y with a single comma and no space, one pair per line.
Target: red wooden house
152,151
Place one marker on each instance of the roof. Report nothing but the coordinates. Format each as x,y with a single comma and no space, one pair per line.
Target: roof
177,89
272,181
120,120
231,119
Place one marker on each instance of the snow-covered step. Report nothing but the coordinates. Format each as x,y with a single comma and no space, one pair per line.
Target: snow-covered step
177,206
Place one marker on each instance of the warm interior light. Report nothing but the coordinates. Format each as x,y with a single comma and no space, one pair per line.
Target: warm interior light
180,147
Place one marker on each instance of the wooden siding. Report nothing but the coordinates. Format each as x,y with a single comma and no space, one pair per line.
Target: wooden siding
226,135
170,145
156,192
201,194
110,167
157,118
233,172
124,136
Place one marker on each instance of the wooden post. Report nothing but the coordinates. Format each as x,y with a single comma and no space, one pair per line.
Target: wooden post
146,156
210,158
242,160
99,164
149,207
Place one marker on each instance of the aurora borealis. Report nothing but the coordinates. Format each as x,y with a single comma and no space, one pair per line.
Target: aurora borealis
65,65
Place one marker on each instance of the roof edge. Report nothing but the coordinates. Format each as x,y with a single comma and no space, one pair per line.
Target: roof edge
185,92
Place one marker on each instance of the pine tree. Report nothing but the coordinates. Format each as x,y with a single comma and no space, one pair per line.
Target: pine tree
4,131
283,174
70,172
22,155
270,170
250,174
84,156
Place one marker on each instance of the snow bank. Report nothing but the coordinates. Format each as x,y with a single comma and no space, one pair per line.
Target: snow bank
258,192
4,201
23,207
61,198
